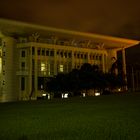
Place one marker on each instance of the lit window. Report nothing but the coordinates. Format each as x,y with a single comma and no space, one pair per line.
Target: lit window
61,68
43,66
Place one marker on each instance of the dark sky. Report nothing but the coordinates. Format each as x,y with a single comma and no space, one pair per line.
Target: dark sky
110,17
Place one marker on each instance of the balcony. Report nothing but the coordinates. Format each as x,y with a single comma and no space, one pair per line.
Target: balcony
22,72
60,42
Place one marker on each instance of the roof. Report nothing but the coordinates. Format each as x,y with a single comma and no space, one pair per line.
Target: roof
11,27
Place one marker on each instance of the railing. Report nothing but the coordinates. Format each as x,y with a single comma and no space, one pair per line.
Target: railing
73,43
22,72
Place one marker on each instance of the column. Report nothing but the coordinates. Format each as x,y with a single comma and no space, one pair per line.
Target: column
124,66
30,72
88,57
55,62
73,64
103,62
35,75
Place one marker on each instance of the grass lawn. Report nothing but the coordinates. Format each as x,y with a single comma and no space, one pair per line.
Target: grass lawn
111,117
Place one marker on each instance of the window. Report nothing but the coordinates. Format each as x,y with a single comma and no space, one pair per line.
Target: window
61,68
43,52
3,72
22,65
65,54
85,56
57,52
47,53
33,50
3,53
22,83
33,64
38,52
90,57
69,54
78,55
61,53
81,56
4,44
3,62
3,82
96,57
100,57
22,53
51,53
43,66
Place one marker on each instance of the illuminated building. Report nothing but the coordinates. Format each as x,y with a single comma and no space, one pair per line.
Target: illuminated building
30,53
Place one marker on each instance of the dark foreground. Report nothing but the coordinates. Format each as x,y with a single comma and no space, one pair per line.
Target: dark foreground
111,117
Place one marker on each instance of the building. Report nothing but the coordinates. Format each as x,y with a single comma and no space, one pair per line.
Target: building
30,53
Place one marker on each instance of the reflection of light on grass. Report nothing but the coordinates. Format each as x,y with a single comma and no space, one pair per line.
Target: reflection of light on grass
97,93
65,95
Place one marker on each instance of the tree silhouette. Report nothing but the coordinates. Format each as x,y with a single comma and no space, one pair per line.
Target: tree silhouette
85,78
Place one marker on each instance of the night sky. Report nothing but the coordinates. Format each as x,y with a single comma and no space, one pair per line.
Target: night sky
120,18
110,17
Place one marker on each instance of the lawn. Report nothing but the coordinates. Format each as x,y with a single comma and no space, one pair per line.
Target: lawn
110,117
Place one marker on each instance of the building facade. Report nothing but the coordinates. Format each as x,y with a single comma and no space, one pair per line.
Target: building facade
30,53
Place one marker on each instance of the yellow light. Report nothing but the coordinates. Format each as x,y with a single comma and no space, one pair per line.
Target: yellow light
119,89
97,93
43,66
65,95
44,95
61,68
49,96
84,94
